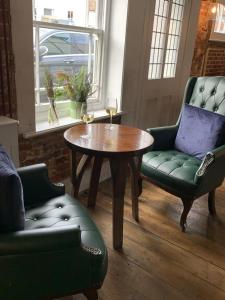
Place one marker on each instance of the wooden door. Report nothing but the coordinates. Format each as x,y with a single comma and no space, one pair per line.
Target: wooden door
167,34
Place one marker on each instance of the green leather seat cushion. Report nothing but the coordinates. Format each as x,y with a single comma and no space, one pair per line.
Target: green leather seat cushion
171,169
62,211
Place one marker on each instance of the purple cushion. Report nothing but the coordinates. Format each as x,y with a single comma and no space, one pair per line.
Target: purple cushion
12,216
200,131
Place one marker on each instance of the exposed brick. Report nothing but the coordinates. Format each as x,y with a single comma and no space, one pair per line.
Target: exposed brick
50,149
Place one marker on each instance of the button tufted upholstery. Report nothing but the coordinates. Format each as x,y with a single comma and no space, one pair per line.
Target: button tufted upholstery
209,93
177,172
60,252
171,167
64,211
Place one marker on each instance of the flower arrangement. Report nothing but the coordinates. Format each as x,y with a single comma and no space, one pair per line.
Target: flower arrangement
78,88
51,94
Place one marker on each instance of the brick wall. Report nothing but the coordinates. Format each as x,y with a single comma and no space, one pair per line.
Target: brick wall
7,70
50,149
215,61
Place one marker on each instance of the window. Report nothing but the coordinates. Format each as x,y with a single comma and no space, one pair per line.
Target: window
70,14
165,42
94,23
67,37
218,22
48,12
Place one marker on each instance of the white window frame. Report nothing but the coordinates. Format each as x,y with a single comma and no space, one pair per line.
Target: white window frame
22,35
63,110
216,36
161,68
43,108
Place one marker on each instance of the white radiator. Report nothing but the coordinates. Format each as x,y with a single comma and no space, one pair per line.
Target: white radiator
9,138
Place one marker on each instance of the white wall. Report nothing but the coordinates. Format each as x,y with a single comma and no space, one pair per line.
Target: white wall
116,49
22,34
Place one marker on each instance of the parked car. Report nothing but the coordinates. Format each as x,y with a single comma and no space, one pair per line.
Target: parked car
63,51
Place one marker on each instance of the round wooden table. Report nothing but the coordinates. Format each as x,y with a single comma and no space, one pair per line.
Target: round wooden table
123,146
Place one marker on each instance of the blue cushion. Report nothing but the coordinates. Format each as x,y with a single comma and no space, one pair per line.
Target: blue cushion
12,217
200,131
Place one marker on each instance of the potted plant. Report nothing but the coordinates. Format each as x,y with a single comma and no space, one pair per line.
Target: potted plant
78,88
51,94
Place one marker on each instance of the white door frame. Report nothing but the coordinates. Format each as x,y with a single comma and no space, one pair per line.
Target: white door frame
139,25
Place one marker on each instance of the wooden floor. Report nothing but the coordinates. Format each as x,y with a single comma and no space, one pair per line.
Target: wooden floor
158,261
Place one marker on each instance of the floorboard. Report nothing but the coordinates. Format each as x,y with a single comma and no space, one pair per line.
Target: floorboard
158,261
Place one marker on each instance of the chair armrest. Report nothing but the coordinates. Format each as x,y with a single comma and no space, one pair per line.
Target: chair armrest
40,240
36,184
211,172
164,137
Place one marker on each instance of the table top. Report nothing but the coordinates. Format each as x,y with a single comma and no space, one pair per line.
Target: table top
101,140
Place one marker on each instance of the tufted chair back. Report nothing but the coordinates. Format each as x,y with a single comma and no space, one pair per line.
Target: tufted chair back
207,93
181,174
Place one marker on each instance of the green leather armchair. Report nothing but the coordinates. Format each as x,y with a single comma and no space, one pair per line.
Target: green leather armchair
60,252
178,173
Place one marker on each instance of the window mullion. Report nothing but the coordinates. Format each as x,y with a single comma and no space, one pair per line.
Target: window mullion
66,27
98,14
37,56
87,13
90,52
97,62
166,39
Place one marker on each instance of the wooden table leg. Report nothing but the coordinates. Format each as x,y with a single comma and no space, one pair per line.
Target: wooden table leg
78,171
135,166
94,181
118,168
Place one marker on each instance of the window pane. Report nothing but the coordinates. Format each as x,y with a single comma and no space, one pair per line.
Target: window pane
57,44
158,39
173,41
220,19
69,12
63,52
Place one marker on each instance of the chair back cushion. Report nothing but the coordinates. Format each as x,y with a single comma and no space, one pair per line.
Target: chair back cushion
207,93
12,217
200,131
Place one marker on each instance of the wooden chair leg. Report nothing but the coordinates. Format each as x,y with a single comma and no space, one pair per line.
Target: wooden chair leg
91,294
211,203
187,206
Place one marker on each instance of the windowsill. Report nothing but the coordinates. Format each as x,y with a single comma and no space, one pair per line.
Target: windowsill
64,123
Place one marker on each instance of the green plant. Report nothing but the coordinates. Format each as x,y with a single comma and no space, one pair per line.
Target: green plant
77,86
83,86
